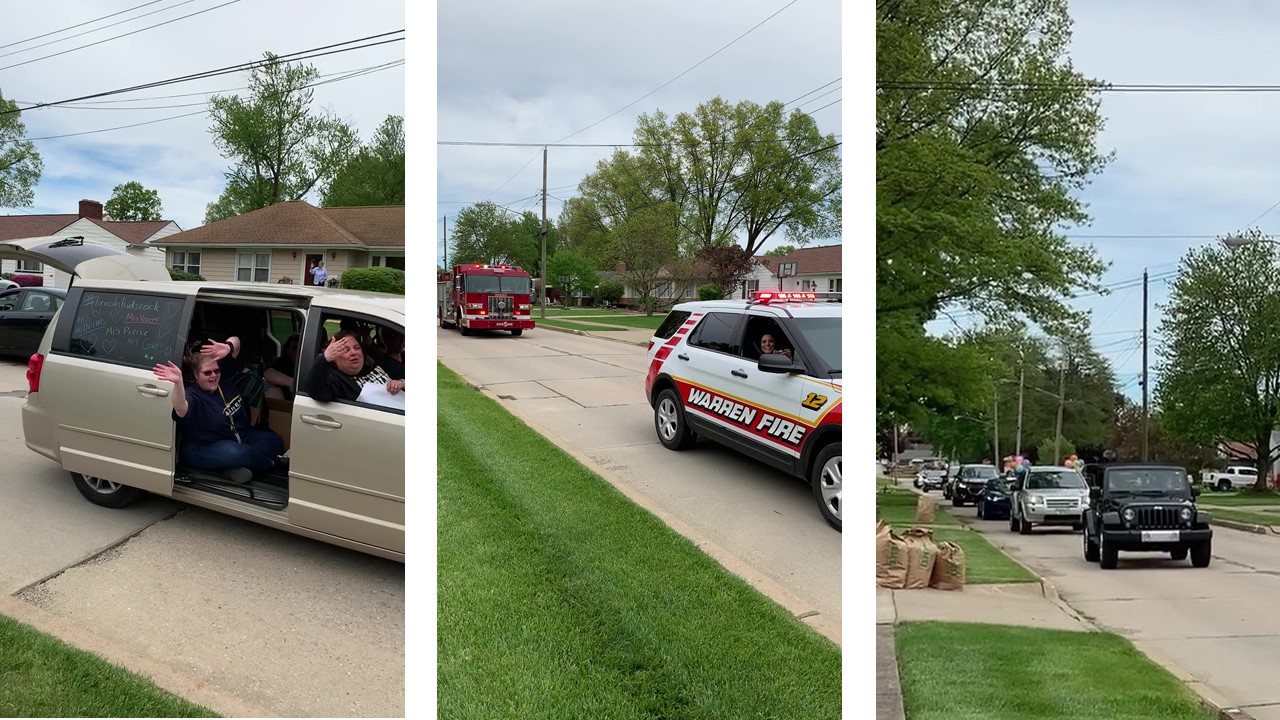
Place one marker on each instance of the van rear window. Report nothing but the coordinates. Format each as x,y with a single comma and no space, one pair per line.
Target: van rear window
126,328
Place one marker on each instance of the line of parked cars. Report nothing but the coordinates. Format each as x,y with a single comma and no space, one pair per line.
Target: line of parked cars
1130,507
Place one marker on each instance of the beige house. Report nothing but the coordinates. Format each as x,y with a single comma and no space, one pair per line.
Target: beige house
136,237
808,269
282,242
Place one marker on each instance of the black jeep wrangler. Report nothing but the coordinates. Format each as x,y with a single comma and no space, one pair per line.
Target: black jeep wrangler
1143,507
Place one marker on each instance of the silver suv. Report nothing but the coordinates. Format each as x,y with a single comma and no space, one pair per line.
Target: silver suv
1048,495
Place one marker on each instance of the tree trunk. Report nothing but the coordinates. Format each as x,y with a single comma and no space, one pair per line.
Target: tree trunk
1263,460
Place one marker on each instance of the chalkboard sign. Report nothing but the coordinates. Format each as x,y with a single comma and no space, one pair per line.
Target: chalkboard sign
127,328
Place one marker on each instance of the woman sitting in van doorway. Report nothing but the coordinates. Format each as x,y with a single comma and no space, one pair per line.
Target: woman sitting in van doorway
343,369
214,421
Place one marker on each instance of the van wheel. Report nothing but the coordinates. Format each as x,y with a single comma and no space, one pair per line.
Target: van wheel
827,481
669,421
104,492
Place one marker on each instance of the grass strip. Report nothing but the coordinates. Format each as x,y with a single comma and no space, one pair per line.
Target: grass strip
967,671
560,598
646,322
40,676
569,325
898,507
1244,516
984,563
1239,498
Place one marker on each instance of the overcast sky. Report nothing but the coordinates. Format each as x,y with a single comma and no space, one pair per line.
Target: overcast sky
1188,166
175,157
546,70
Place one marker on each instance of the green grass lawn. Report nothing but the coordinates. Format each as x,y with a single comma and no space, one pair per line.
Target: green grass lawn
1239,498
642,322
570,325
42,677
898,508
560,598
1264,517
962,671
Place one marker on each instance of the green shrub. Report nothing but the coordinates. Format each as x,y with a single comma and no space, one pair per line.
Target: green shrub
710,292
376,279
184,275
609,291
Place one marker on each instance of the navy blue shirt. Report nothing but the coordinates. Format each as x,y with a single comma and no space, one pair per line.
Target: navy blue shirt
209,415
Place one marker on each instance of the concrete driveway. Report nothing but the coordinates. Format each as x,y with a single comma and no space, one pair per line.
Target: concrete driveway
242,618
1217,625
587,395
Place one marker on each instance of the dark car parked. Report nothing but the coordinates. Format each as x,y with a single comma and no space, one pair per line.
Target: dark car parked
25,312
995,503
971,482
1144,507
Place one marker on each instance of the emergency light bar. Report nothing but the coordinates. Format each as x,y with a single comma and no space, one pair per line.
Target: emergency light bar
767,296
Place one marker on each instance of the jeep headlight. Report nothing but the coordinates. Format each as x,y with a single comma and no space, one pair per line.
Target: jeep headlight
1129,514
1186,514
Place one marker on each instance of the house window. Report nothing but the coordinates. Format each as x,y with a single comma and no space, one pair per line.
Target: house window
750,286
833,284
30,266
188,262
253,267
391,261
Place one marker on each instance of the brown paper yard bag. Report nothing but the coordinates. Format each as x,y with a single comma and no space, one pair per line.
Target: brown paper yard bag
921,555
891,558
925,508
948,569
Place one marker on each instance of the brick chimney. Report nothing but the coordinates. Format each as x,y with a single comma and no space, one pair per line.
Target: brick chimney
91,209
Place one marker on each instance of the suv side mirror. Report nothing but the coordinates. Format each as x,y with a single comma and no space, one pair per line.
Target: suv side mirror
1095,493
774,363
1195,491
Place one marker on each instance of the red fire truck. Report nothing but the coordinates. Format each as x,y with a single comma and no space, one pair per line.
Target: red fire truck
486,297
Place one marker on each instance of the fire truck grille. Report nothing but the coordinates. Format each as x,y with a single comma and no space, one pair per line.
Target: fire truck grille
501,307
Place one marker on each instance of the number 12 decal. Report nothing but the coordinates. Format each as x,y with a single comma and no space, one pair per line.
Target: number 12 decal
814,401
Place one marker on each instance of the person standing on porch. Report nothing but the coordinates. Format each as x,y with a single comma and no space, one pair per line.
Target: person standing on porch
319,274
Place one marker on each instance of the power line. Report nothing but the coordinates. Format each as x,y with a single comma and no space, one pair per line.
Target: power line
117,37
833,82
150,122
1087,86
87,32
290,57
600,145
86,22
686,72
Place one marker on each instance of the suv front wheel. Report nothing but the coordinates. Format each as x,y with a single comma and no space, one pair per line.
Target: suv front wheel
669,421
104,492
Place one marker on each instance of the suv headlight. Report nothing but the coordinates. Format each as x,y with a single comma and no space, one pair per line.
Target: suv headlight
1129,514
1186,514
1037,500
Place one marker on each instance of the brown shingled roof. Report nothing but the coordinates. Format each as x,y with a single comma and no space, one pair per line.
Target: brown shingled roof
300,223
824,259
13,227
132,231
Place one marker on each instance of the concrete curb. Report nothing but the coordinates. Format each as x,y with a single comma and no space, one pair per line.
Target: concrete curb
1246,527
583,333
162,674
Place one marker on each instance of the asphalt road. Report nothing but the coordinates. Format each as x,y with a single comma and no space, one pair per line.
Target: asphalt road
587,395
288,625
1217,625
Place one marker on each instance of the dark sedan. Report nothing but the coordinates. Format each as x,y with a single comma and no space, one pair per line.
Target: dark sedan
995,503
971,482
25,312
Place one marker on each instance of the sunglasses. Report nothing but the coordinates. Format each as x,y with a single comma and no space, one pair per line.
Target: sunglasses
210,373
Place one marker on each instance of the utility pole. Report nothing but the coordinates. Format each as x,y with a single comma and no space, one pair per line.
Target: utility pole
1145,411
1062,399
544,232
1022,383
995,428
446,242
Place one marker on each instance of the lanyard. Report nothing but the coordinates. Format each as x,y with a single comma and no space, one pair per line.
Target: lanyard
230,421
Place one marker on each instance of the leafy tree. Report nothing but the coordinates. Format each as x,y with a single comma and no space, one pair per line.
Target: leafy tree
1218,372
488,233
20,163
1046,449
375,175
780,251
573,274
1125,442
985,133
281,148
726,266
647,242
710,292
610,291
132,201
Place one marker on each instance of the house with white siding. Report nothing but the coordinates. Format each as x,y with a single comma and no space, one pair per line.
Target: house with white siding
808,269
136,237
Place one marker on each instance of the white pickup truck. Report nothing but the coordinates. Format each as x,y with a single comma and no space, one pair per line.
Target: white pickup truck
1235,476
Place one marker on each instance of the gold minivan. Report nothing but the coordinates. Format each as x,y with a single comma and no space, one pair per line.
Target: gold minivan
95,407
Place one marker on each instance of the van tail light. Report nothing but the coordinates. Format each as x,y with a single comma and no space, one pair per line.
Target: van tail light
34,366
